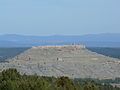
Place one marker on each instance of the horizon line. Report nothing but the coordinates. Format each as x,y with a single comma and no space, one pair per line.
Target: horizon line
58,34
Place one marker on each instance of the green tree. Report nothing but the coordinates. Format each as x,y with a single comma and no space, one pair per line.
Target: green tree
10,74
64,83
90,85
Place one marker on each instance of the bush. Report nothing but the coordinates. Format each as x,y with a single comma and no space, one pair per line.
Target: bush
10,79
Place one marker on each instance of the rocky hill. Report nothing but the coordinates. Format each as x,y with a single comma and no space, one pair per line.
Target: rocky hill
74,61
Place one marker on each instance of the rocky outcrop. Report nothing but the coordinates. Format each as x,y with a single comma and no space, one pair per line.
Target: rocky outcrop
74,61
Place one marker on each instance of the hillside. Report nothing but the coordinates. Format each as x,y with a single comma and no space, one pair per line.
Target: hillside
74,61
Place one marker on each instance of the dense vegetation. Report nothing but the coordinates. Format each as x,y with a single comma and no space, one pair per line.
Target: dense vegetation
10,79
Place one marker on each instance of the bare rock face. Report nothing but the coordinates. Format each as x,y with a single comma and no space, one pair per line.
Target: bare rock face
74,61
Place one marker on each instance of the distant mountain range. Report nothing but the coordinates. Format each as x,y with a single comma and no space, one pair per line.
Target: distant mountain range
90,40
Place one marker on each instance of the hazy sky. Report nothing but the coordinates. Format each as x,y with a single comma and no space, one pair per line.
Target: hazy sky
67,17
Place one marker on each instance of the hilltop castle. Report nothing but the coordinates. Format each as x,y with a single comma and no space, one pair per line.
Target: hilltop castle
52,46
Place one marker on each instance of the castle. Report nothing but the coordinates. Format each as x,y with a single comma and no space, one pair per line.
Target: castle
59,46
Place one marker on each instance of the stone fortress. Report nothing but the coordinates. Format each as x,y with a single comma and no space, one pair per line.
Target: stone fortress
59,46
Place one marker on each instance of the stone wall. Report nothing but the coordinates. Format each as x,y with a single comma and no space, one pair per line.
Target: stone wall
52,46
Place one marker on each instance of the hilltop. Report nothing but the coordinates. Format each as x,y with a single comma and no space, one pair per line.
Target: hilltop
74,61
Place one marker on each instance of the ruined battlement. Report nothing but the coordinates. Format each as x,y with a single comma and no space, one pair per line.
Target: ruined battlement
59,46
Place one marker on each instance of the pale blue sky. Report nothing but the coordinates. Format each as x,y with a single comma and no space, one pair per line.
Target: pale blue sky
66,17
